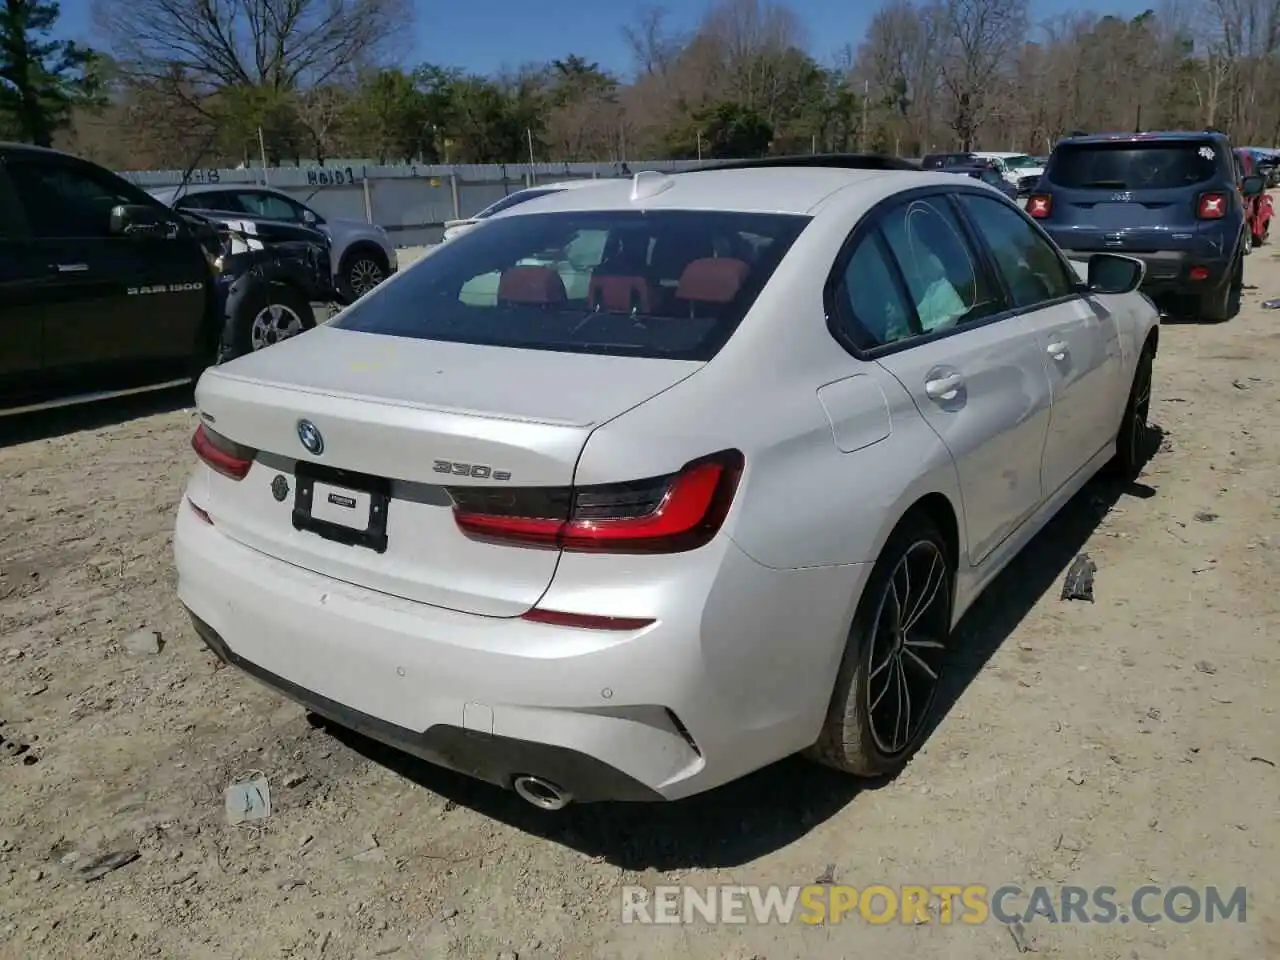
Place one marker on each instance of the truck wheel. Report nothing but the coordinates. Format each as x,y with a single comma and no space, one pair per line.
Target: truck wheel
1224,303
260,314
361,270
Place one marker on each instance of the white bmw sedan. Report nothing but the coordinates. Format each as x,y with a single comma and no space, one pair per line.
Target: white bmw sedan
634,490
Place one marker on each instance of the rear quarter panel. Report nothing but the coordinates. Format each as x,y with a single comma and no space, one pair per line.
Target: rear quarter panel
803,500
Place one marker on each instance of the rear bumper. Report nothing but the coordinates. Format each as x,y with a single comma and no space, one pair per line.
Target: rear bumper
1170,271
498,760
735,674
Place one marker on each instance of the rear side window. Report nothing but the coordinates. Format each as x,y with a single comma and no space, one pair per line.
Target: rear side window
672,283
942,273
1158,165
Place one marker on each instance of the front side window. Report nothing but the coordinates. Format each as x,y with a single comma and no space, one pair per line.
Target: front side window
669,283
213,200
941,271
1031,269
64,201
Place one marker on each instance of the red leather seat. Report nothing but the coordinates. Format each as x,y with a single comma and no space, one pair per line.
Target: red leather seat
712,280
532,285
620,294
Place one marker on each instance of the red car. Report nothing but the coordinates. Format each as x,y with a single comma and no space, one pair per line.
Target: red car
1258,209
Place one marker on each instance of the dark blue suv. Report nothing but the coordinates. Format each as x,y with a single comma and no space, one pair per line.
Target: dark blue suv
1169,199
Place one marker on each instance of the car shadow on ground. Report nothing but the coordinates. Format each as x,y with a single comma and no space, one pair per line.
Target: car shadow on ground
47,424
773,807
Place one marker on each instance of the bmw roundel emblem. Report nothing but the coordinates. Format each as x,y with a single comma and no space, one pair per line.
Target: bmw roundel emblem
310,437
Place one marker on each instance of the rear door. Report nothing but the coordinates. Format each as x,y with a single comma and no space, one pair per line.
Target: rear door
1079,341
112,300
929,310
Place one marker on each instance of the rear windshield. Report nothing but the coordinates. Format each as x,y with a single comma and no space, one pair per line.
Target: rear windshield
520,196
1130,166
672,283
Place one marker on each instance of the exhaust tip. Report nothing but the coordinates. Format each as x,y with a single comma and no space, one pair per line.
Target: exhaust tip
543,794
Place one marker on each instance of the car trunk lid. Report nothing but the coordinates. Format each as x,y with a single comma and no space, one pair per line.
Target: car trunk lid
400,420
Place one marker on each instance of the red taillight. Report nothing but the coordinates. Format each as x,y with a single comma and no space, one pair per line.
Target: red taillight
1211,206
667,514
1198,273
1039,205
222,455
585,621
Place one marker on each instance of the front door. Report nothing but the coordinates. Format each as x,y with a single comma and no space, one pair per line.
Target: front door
109,300
1079,341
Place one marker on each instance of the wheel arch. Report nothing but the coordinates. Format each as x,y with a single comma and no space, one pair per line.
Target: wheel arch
937,508
357,247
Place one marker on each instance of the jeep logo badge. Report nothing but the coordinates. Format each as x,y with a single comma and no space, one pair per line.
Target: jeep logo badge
310,437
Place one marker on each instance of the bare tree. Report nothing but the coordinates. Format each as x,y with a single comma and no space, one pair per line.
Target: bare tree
654,47
279,45
898,64
977,39
755,40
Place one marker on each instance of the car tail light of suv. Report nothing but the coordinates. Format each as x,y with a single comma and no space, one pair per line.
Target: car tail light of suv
1211,206
667,514
1039,205
221,455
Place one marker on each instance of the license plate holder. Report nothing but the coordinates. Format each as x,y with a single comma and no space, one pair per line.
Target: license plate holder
365,498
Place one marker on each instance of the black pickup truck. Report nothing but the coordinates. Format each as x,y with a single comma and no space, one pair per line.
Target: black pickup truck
104,291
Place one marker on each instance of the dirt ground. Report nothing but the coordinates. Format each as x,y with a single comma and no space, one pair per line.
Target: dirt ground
1126,742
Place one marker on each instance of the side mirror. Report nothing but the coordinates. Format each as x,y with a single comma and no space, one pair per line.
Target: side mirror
1254,185
309,218
1112,273
136,219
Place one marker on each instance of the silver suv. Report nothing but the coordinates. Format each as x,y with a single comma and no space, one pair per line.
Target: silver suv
362,253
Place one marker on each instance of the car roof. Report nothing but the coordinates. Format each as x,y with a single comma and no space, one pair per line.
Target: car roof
797,190
1158,136
13,147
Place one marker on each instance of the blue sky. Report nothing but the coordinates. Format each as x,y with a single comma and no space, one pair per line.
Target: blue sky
485,35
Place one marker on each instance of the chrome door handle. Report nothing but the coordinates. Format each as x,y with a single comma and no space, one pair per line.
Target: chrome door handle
1057,350
70,267
944,388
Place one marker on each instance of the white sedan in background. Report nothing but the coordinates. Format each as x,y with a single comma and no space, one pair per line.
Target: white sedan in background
456,228
718,498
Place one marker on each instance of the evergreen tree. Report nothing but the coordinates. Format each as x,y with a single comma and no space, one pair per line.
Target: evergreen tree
41,79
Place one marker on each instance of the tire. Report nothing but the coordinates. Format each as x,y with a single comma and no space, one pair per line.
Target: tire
1224,303
856,736
362,269
260,314
1131,441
